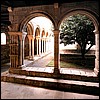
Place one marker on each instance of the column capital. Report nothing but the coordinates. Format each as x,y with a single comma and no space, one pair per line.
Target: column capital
30,36
56,31
20,34
15,33
38,37
96,31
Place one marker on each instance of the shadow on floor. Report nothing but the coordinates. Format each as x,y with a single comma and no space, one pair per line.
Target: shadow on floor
5,67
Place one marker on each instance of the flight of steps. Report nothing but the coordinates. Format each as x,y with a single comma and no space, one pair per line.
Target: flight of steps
62,82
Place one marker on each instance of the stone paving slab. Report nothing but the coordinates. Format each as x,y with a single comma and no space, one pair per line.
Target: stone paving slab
18,91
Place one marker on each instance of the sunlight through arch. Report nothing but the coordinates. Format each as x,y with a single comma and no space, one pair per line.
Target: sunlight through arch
3,39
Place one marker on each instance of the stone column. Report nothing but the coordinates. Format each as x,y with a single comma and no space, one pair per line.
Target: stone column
56,52
20,51
15,50
37,45
29,46
33,48
23,40
42,45
45,45
96,69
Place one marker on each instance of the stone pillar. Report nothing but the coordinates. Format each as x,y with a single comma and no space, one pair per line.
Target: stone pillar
33,48
42,45
46,45
23,40
20,51
37,46
15,50
56,52
96,69
29,47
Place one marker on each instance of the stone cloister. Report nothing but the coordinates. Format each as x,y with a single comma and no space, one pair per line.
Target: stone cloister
39,41
39,38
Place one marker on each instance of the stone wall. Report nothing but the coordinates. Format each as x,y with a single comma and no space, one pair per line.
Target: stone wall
71,51
21,13
5,51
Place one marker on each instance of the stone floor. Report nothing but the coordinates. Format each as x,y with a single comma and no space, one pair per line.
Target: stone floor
18,91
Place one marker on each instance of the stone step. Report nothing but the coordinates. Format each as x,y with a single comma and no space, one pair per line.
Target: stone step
50,74
91,88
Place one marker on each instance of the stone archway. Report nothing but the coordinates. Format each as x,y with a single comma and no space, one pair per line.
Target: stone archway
56,14
35,34
33,15
96,32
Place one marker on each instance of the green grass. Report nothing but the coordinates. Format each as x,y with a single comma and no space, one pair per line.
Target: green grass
68,65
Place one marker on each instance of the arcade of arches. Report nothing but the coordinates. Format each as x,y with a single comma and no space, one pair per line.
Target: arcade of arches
39,38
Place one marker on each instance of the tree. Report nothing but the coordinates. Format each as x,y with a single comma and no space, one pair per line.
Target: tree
78,28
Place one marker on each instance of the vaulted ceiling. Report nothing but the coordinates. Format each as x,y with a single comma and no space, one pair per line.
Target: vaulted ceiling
23,3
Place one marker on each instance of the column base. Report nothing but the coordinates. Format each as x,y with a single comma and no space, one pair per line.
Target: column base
11,69
18,67
56,71
96,71
31,59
